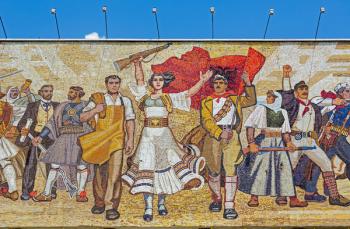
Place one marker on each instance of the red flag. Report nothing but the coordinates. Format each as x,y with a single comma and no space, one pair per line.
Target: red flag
187,69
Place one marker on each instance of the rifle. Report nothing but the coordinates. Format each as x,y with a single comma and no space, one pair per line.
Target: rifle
10,74
123,63
277,149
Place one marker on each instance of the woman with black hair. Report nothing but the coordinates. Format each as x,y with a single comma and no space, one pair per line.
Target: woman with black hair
161,165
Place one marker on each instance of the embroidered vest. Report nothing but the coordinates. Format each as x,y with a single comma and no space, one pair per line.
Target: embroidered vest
274,119
165,99
42,118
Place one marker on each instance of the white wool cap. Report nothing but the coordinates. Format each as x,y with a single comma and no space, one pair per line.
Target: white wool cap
341,85
220,77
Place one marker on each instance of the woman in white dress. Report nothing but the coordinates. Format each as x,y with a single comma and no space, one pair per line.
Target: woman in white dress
161,165
268,173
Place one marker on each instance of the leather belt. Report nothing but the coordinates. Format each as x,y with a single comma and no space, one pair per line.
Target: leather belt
71,129
156,122
298,135
271,134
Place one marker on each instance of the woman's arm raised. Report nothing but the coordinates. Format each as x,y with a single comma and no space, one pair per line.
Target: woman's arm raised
139,76
202,79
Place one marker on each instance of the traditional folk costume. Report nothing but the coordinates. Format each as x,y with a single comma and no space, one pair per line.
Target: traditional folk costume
104,147
160,166
220,113
336,142
305,120
268,173
65,128
18,105
7,151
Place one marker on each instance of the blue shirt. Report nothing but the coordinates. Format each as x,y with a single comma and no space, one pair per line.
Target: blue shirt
340,116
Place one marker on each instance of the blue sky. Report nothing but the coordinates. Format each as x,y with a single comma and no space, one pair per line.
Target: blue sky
235,19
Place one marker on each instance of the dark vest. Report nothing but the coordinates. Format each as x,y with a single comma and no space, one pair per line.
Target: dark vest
290,103
274,119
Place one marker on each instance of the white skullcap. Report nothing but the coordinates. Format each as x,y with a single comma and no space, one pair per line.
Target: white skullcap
341,86
220,77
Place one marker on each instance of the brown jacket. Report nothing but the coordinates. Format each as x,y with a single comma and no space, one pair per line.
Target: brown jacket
207,119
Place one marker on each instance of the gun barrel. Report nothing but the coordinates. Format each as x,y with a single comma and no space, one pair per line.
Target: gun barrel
149,52
123,63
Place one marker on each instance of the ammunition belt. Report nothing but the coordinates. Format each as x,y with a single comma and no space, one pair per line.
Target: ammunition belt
340,130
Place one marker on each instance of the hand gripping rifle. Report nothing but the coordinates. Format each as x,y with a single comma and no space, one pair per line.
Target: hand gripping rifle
123,63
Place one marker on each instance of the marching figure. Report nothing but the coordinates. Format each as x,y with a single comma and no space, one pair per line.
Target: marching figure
159,165
39,112
221,117
18,99
305,120
105,147
334,137
64,128
268,173
7,150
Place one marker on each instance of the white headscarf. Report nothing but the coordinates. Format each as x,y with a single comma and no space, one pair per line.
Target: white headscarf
18,109
276,106
10,100
257,119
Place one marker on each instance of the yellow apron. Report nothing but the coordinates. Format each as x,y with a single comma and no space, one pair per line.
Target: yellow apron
108,137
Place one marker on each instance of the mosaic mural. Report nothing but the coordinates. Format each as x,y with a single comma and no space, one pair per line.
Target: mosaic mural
190,133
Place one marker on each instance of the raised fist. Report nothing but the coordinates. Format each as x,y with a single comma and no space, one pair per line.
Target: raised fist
287,69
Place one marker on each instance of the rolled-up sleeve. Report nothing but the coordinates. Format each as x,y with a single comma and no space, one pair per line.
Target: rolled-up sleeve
129,110
91,105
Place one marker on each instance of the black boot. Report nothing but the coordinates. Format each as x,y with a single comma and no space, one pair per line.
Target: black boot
215,206
162,210
97,210
147,217
230,213
112,214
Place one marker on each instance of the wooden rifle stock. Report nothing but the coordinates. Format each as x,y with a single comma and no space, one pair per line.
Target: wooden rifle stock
123,63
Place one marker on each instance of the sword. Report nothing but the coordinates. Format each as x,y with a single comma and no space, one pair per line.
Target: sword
70,187
277,149
10,74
